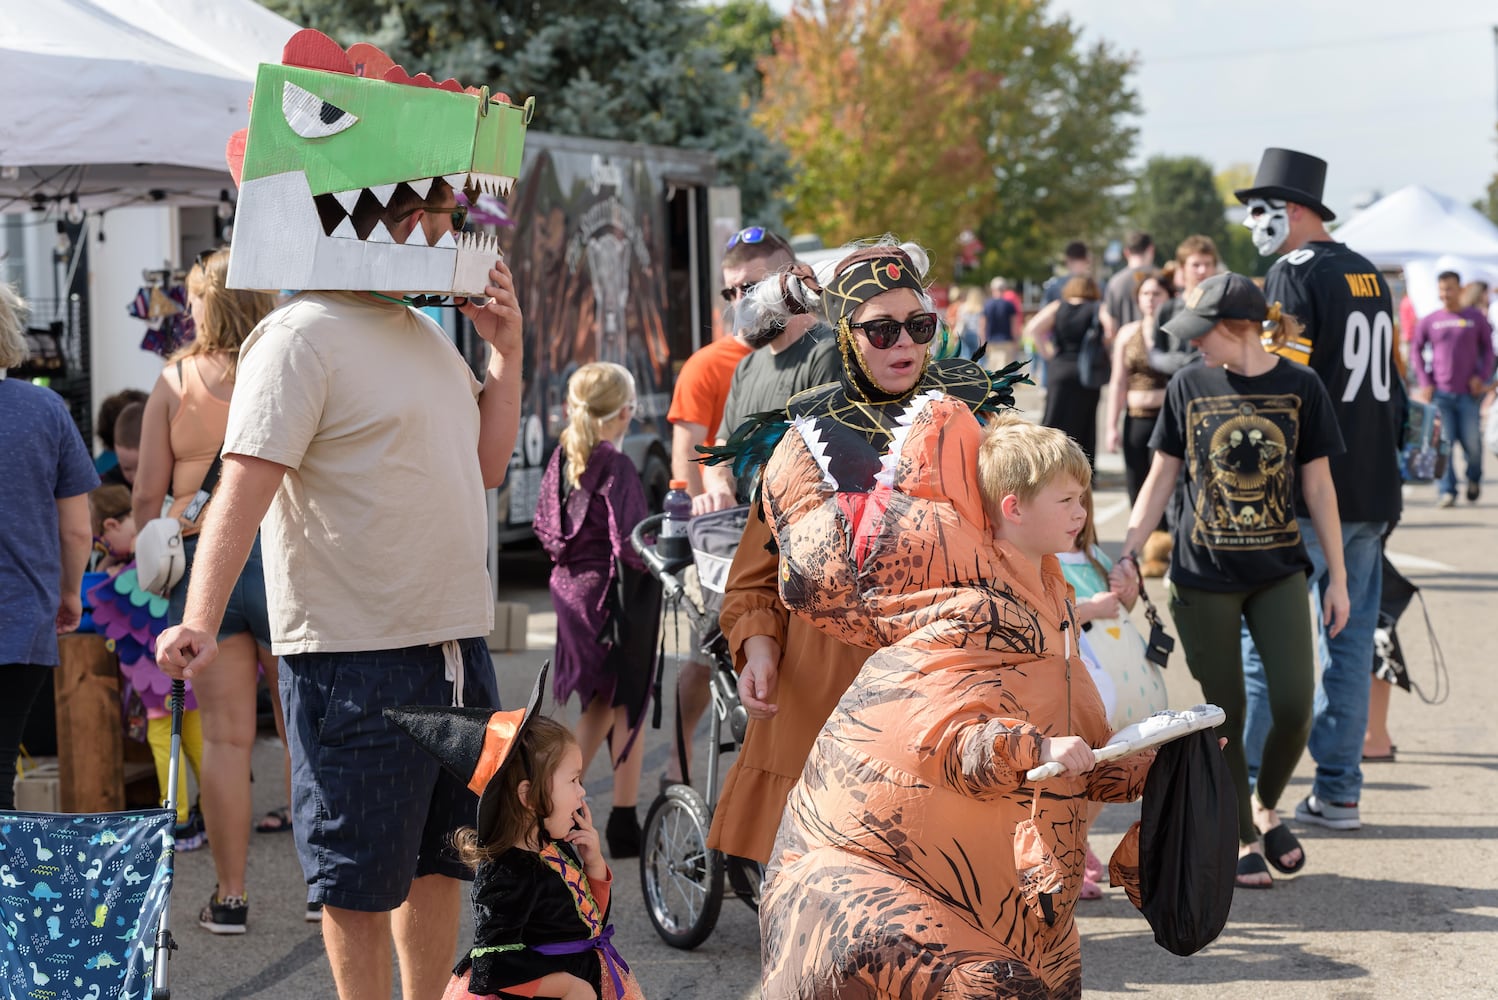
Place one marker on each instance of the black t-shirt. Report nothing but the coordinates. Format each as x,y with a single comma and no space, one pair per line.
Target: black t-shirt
1348,314
1240,439
1071,325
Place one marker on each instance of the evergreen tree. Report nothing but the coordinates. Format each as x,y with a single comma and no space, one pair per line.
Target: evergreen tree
634,70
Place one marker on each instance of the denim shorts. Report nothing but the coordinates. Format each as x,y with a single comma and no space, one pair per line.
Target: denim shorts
371,809
246,610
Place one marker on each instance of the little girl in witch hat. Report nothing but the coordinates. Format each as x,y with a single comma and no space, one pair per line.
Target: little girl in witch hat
541,889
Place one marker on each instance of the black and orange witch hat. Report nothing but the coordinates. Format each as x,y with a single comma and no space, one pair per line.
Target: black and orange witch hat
476,744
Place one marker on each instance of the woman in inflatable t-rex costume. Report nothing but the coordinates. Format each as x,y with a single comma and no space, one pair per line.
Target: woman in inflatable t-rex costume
887,337
898,867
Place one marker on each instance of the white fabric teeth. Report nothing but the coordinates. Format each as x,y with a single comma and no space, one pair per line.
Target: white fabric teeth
906,420
812,435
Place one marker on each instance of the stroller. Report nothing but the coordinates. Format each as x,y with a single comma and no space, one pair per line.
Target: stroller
85,899
683,881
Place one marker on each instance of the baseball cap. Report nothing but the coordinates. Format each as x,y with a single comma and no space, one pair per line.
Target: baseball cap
1222,296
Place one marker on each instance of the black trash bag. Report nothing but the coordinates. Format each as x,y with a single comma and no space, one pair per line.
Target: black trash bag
1188,843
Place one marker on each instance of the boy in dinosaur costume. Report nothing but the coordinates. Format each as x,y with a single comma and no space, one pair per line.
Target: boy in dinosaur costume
361,440
915,859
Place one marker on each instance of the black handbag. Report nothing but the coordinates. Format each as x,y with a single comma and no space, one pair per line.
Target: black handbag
1094,366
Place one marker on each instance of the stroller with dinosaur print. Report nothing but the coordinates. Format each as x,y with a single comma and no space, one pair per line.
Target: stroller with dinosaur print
84,900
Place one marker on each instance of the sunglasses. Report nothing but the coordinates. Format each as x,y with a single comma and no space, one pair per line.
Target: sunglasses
457,212
751,235
734,292
885,333
203,255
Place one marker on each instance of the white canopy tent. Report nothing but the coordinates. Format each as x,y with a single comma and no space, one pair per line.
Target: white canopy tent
1424,233
126,102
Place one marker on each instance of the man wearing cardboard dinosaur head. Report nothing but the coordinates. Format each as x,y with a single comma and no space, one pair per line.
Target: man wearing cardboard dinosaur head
353,178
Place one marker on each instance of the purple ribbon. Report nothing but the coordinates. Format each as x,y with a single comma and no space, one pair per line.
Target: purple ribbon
603,942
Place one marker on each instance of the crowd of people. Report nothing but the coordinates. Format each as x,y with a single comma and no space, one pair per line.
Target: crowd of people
918,610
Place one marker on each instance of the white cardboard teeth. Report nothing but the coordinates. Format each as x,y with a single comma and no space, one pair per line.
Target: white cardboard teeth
456,181
380,234
382,192
446,241
345,230
348,199
421,187
417,237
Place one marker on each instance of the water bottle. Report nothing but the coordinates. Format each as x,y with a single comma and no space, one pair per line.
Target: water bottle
672,543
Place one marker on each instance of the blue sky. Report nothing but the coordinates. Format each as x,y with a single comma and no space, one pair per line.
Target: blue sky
1385,99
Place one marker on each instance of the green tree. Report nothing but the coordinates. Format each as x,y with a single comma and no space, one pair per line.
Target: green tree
646,73
927,117
744,32
1176,197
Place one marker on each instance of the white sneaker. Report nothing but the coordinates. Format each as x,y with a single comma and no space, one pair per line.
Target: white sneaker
1332,815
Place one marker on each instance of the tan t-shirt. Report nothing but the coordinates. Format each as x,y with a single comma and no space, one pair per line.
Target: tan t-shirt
376,536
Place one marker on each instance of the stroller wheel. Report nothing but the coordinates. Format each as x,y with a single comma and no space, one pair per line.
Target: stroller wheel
746,878
681,879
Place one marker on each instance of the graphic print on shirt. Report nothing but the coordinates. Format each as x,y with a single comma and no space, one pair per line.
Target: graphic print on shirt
1243,449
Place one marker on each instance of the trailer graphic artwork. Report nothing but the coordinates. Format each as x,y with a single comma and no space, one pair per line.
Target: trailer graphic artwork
601,277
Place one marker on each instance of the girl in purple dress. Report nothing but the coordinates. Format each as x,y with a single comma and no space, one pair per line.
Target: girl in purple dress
607,605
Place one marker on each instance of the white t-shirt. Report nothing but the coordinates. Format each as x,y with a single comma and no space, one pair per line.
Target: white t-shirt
376,537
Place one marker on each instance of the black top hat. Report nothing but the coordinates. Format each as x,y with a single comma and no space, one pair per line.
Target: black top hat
1287,175
475,744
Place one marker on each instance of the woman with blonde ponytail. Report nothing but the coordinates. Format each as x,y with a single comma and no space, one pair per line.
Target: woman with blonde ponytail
607,605
1239,437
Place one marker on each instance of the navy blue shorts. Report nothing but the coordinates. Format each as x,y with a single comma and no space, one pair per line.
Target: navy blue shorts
371,809
246,610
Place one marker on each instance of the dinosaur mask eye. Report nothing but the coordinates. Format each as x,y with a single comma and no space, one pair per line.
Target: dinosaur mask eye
310,116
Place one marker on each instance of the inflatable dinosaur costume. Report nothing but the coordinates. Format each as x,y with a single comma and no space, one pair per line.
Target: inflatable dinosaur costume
914,858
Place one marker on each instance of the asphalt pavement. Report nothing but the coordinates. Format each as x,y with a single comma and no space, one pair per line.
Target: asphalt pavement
1407,906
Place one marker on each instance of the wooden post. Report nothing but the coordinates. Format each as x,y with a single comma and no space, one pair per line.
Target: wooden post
89,731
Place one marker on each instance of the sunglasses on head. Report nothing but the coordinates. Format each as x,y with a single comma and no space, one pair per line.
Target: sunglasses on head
734,292
751,235
885,333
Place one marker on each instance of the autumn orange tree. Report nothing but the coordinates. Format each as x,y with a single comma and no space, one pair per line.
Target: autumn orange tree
863,94
925,117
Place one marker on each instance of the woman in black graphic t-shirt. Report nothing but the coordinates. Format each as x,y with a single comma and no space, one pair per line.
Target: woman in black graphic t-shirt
1245,425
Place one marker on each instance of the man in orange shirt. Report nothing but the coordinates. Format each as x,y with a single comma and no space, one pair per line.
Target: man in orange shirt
697,410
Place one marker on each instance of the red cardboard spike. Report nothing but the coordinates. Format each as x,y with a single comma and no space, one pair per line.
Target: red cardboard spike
234,153
312,49
369,62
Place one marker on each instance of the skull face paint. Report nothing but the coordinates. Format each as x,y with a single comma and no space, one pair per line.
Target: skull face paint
1269,223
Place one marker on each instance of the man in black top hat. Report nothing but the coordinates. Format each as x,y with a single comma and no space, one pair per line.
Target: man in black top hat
1347,311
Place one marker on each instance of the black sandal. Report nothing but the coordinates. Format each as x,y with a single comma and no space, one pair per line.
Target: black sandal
1252,864
1279,842
275,821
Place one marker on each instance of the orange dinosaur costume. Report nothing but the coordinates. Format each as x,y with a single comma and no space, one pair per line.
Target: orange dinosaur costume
914,859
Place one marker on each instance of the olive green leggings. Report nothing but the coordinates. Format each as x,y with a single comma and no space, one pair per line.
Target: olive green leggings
1279,618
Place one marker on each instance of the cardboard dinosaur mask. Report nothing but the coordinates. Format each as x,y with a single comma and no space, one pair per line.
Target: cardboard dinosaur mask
334,135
